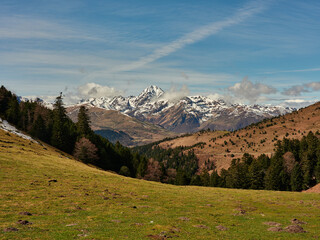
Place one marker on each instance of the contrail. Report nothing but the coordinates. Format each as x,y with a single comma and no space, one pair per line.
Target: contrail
195,36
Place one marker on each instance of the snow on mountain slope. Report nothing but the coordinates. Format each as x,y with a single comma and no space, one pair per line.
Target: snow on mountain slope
189,113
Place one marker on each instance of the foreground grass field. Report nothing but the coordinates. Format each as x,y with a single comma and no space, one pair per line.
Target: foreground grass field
69,200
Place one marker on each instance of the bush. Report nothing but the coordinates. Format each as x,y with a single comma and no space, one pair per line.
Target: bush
124,171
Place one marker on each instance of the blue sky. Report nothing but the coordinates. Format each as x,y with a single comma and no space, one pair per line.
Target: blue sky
247,51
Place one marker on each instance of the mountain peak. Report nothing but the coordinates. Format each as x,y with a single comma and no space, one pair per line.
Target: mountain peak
153,90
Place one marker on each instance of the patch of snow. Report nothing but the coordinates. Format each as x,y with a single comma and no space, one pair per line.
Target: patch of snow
4,125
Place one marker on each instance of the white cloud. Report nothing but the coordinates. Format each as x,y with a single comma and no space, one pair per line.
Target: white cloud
174,94
295,70
248,91
195,36
216,96
295,90
297,103
24,27
94,90
315,86
298,89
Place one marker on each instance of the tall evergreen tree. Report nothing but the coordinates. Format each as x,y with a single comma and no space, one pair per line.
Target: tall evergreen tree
59,137
296,179
273,180
83,124
13,111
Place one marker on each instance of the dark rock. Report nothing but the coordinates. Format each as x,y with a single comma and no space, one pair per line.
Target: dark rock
24,222
52,180
296,221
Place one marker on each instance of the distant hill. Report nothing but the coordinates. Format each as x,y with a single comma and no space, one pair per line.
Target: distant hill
116,126
255,139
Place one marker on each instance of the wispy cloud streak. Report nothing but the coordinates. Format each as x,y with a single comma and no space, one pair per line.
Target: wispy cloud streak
295,70
195,36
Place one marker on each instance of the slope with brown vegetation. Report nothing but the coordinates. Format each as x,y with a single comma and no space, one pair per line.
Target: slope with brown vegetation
255,139
118,126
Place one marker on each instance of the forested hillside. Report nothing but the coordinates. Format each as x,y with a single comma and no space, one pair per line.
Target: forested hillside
55,128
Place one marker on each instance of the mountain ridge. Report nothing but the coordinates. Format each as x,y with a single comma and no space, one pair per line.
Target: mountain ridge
187,113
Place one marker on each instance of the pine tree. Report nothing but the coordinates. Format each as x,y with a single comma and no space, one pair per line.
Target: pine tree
273,179
13,111
296,179
59,135
181,178
215,179
83,124
256,175
39,129
205,178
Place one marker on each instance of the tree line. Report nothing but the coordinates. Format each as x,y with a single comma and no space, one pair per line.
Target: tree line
294,166
56,128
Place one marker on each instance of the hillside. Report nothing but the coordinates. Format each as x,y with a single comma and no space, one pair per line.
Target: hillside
255,139
45,194
116,126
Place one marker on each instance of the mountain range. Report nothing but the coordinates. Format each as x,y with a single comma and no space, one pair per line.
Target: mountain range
168,114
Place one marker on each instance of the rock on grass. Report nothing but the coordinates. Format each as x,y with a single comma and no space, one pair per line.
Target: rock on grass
10,229
294,229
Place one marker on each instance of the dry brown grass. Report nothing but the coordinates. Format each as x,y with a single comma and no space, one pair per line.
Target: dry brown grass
256,139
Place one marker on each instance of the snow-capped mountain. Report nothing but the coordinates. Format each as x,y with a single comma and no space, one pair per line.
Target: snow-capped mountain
189,114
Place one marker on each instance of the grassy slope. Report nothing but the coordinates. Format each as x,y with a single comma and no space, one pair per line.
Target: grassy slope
94,202
263,136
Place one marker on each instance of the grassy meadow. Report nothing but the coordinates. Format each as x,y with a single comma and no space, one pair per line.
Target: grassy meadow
70,200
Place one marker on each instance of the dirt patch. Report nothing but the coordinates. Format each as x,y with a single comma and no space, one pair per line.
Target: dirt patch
274,224
116,221
200,226
11,229
294,229
184,219
315,189
275,229
240,212
25,213
156,237
137,224
297,222
221,228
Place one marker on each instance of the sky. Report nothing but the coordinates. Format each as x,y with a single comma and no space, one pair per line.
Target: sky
264,52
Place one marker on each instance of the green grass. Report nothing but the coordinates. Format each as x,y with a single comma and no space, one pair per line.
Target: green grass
86,203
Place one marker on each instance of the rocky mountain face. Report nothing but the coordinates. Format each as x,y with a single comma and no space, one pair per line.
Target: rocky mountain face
188,114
